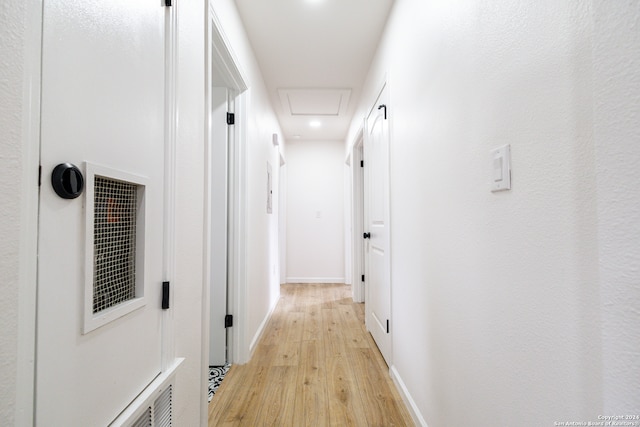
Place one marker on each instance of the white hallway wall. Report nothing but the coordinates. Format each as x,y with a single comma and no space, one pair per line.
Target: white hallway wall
616,86
14,167
518,307
315,212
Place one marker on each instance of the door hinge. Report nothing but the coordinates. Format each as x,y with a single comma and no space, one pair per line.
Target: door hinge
228,320
39,175
385,110
361,163
363,277
231,119
387,325
167,3
165,295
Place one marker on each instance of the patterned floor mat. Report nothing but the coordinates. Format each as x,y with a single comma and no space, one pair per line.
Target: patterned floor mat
216,375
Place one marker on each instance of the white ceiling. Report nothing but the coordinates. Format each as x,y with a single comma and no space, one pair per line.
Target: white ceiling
314,56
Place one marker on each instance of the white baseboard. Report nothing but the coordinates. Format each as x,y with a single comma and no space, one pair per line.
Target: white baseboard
406,397
260,331
315,279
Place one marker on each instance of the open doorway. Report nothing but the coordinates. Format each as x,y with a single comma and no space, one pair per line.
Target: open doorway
220,133
225,209
357,224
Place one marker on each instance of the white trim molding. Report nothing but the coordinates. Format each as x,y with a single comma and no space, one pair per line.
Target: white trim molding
170,137
407,398
260,331
28,255
315,280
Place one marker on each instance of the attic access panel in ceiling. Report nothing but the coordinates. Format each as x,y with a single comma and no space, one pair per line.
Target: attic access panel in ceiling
314,102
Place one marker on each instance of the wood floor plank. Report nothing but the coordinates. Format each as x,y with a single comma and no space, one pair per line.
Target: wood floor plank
316,365
332,334
345,403
292,323
312,326
382,405
275,331
351,330
330,296
239,412
359,309
278,399
219,411
249,381
311,405
294,326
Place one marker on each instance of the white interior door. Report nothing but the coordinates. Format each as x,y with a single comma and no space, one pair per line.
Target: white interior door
378,280
100,254
219,220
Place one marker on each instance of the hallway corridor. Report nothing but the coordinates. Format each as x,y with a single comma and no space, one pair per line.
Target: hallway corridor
315,365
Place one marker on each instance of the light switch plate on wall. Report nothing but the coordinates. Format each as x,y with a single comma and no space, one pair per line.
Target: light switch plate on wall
501,166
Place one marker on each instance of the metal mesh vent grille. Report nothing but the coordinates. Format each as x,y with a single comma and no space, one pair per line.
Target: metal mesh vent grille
115,212
144,420
162,409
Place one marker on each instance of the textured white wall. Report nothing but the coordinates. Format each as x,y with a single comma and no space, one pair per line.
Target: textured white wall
496,300
315,185
263,280
12,39
616,85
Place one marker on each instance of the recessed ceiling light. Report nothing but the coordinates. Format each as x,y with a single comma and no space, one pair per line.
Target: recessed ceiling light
296,136
315,123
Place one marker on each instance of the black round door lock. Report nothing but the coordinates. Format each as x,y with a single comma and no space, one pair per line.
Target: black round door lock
67,181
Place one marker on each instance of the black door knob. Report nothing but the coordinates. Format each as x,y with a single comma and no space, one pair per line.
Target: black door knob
67,181
366,235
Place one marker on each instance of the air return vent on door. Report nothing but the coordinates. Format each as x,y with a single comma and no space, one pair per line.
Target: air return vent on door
154,405
160,414
114,254
162,409
144,420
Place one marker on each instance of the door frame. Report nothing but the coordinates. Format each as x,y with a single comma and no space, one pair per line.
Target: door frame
29,206
357,219
167,354
218,137
220,57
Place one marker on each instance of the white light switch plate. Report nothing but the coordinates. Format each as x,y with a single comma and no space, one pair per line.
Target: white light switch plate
501,167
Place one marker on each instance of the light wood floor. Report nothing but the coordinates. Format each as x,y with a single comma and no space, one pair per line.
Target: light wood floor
315,366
